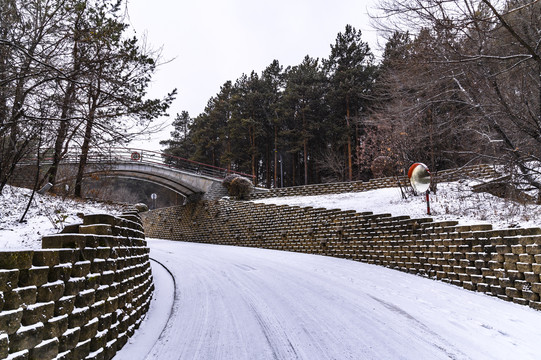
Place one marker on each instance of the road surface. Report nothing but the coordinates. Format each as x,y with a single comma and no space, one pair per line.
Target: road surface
220,302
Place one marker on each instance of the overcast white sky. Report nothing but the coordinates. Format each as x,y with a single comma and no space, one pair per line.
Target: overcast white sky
212,41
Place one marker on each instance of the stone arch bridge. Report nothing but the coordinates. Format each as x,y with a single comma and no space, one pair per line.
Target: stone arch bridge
188,178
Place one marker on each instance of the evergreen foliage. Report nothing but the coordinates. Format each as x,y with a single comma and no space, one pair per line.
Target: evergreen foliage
281,124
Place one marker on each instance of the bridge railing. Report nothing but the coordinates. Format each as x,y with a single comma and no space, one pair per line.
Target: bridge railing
133,155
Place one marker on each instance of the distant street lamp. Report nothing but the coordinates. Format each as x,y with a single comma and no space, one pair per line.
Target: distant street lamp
281,172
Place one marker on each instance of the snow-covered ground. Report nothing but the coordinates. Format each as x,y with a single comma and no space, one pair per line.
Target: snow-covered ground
48,214
233,303
219,302
453,201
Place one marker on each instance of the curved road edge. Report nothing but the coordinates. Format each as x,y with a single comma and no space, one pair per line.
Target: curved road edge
157,317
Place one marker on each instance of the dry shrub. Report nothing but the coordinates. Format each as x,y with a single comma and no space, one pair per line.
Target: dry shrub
228,179
240,187
383,166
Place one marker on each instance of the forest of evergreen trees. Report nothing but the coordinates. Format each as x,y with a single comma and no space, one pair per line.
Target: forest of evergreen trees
291,126
463,85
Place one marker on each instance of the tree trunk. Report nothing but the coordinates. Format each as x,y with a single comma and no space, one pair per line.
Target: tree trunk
3,93
305,148
293,169
62,132
355,150
229,152
36,179
539,104
268,166
14,152
350,165
85,148
251,133
431,140
275,156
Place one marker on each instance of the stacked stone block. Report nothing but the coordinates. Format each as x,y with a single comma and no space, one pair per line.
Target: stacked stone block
473,171
504,263
81,296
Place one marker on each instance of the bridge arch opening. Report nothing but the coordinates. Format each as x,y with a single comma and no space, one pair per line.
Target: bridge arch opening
131,190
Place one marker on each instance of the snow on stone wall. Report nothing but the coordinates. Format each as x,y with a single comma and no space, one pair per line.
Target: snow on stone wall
504,263
80,297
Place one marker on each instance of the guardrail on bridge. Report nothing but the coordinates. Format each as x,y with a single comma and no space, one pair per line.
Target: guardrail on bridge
133,155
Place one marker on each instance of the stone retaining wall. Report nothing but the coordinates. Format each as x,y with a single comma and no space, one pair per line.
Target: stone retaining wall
474,171
25,176
81,296
503,263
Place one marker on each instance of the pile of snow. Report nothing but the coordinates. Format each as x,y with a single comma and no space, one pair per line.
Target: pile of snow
452,201
48,214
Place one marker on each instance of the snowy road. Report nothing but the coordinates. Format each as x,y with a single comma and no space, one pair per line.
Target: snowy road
245,303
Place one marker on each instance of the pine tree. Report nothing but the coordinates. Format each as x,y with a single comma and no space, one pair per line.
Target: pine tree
210,129
304,110
180,144
247,123
351,72
273,84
